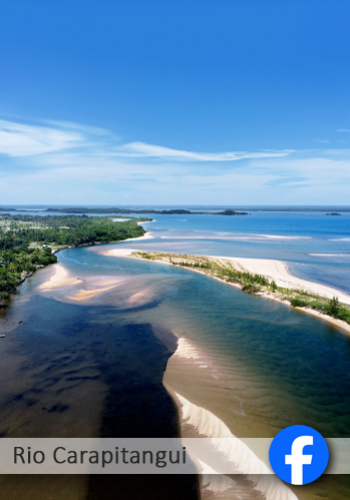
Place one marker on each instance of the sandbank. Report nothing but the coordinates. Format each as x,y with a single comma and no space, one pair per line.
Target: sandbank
119,252
278,271
59,279
89,294
146,236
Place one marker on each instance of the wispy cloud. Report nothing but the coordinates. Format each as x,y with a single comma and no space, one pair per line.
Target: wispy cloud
17,139
141,149
343,130
63,162
78,126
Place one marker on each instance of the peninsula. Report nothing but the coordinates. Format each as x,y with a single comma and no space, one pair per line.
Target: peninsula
262,277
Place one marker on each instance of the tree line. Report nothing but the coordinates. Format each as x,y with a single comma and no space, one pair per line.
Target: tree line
27,241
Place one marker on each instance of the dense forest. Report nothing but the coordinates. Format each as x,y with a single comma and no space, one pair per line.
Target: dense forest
123,211
27,242
114,210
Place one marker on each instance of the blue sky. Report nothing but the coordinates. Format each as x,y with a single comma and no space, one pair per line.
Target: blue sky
174,102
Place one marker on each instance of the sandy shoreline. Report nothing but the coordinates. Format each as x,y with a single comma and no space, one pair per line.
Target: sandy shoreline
273,269
146,236
59,279
278,271
202,407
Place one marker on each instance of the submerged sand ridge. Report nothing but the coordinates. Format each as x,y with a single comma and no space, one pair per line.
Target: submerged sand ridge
60,278
122,292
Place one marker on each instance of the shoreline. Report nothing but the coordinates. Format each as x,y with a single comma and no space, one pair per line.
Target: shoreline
199,416
273,269
3,302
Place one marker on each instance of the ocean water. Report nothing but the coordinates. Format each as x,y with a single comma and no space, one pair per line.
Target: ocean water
315,246
95,367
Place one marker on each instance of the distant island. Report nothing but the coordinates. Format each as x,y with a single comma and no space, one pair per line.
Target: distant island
127,211
115,210
175,211
231,212
29,242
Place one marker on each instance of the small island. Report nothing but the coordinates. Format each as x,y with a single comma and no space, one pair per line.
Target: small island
116,210
333,213
231,212
126,211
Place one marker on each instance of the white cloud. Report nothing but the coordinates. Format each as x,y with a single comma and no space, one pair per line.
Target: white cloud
343,130
85,164
17,139
141,149
77,126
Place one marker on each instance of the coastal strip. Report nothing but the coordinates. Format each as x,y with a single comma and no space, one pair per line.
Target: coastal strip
29,242
262,277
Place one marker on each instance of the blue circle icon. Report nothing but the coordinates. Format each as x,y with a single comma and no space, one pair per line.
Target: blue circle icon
298,454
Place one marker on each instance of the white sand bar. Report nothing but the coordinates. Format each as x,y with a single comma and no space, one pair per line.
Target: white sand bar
119,252
60,278
278,271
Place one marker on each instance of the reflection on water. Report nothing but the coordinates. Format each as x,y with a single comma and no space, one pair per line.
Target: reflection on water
85,366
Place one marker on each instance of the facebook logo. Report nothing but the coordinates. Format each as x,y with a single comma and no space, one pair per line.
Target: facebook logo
298,454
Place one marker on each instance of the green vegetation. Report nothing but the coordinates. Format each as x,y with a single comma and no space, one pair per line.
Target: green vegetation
231,212
273,287
299,302
126,211
116,210
251,288
27,242
253,283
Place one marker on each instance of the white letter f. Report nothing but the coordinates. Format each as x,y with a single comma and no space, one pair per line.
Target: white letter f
296,459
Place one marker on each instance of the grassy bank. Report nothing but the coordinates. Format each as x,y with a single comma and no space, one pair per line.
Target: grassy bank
253,283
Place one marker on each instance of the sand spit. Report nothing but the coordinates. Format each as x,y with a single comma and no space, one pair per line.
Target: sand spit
200,415
59,279
278,271
146,236
205,423
83,295
275,270
119,252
